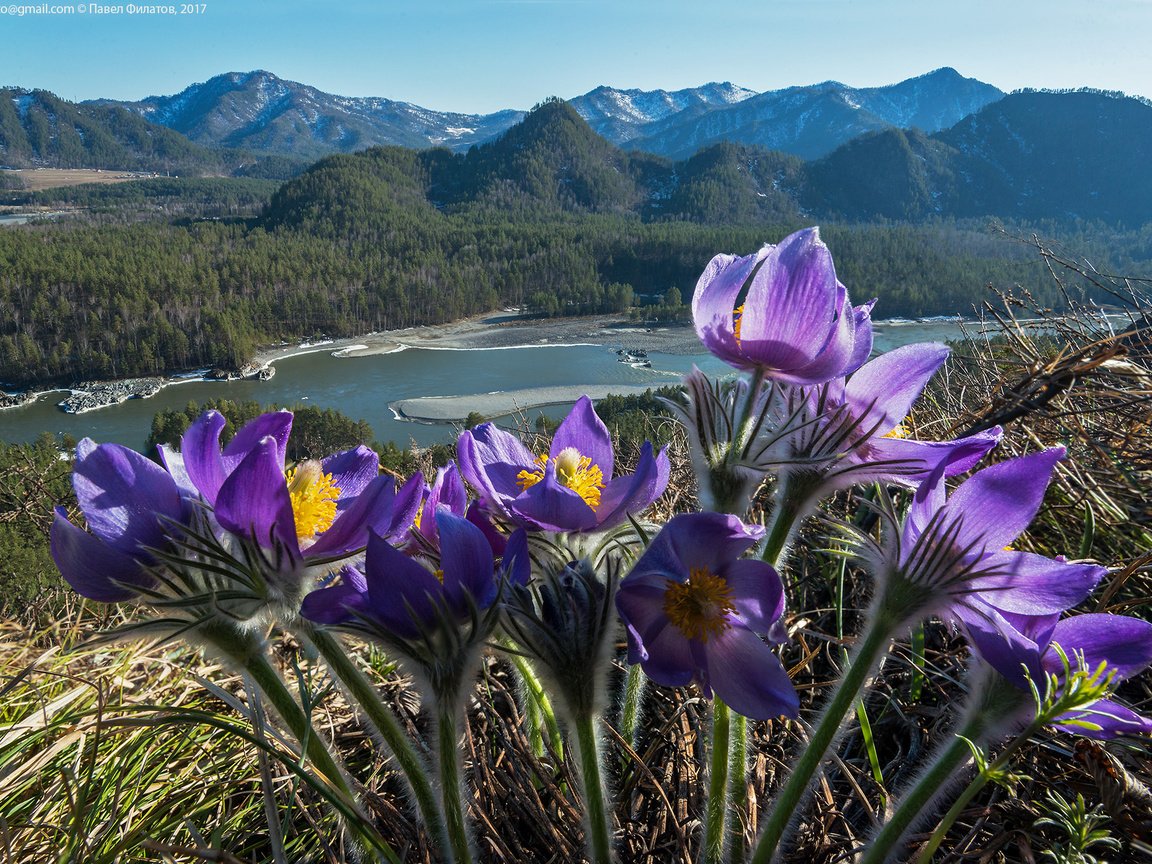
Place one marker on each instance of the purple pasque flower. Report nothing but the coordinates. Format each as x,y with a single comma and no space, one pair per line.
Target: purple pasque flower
446,491
398,596
318,509
783,312
851,430
572,487
694,610
954,556
131,506
1023,649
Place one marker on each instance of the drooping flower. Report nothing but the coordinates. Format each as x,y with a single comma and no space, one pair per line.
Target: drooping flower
954,557
572,487
131,506
694,610
1023,649
782,311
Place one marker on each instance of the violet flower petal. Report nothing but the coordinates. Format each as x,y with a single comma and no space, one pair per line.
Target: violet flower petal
200,449
1030,584
881,392
340,603
275,424
690,541
484,449
585,432
714,302
1124,643
92,567
757,593
352,470
996,504
466,559
631,494
550,506
402,594
254,500
122,493
371,510
749,677
1113,719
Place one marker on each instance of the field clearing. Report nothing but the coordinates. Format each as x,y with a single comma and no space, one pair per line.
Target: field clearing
35,179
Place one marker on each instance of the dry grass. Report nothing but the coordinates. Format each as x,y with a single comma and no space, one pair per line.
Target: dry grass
37,179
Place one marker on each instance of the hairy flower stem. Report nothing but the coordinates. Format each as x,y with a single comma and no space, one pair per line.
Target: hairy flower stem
634,686
868,653
738,787
384,723
717,807
598,837
938,776
313,747
537,703
459,836
978,783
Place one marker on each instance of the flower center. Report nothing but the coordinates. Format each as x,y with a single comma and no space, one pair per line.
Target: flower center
898,432
737,314
699,608
313,497
572,470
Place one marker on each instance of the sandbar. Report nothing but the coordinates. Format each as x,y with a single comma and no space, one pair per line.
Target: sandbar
447,409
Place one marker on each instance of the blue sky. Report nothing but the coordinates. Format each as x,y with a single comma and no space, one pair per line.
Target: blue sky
483,55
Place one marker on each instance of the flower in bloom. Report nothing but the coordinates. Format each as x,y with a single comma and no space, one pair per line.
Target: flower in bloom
572,487
318,509
131,505
694,610
782,311
315,513
955,557
400,596
853,430
1023,649
446,491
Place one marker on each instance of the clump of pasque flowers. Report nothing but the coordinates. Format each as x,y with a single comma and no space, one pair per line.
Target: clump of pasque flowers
547,555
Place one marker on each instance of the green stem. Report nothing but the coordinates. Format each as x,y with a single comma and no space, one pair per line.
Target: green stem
939,774
385,724
717,808
537,699
738,787
978,783
450,785
868,653
599,839
634,686
312,746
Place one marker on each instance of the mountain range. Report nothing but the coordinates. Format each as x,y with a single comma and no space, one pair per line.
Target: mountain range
1029,157
939,145
260,112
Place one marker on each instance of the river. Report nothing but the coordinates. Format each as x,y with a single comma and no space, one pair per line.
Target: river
364,387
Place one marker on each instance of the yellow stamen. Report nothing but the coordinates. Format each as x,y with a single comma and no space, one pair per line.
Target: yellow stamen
699,608
737,314
898,432
314,497
439,574
572,470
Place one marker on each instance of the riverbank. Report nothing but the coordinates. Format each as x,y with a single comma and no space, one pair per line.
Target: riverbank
504,329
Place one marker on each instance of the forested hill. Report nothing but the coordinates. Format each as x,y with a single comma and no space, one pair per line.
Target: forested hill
1068,157
550,217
